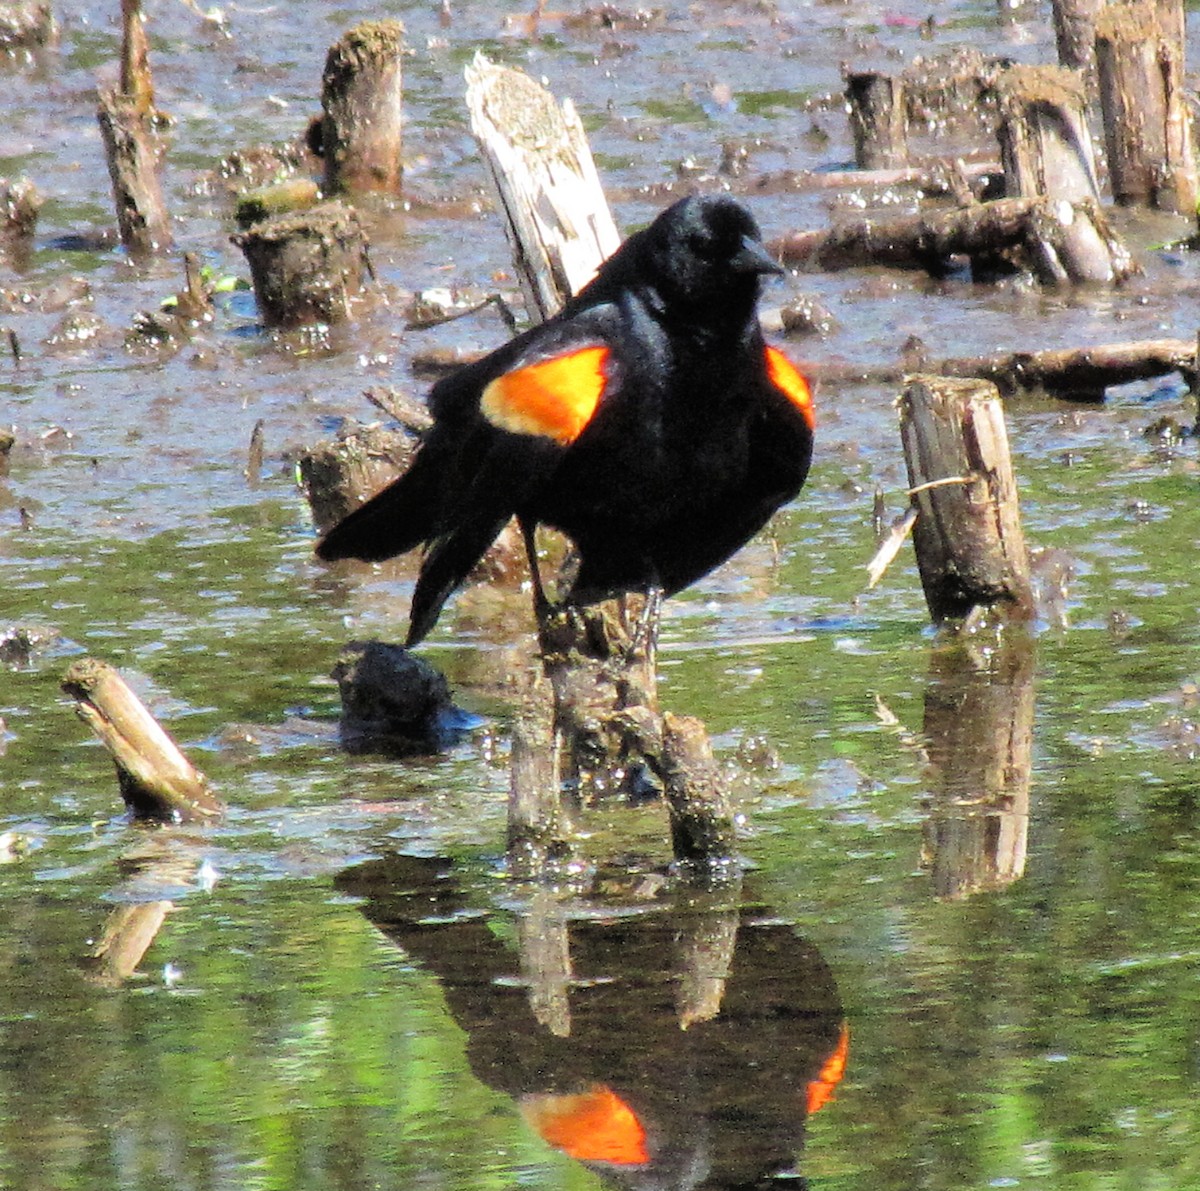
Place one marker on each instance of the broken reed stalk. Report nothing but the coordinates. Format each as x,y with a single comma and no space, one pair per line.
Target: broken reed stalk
968,539
1147,121
702,827
126,116
157,781
362,98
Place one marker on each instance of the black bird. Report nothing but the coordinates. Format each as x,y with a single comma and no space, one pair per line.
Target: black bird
648,420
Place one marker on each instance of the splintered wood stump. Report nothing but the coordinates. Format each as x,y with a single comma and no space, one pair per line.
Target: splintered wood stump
540,164
306,267
1046,150
132,152
1147,122
968,539
979,740
157,781
878,120
340,474
361,94
1045,145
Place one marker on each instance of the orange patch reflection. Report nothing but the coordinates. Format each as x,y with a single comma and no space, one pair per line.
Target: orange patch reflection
592,1126
821,1089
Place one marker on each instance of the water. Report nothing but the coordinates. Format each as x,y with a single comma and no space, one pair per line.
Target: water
973,876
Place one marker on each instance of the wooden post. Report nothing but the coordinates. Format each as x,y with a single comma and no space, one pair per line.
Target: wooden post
540,164
361,94
1075,34
1147,124
157,781
968,539
1045,145
600,660
126,115
702,828
539,837
878,120
1046,150
979,739
306,267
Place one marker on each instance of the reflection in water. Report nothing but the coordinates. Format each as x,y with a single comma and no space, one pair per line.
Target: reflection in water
681,1047
979,733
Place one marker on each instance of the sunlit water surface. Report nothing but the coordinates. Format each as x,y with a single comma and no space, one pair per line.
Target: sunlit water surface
911,987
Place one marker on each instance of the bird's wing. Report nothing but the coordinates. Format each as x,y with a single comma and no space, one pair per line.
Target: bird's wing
526,417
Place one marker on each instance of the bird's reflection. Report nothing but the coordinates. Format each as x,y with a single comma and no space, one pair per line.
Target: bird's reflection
679,1046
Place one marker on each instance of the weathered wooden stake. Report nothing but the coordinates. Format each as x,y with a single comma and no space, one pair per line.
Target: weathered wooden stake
1075,34
878,120
126,116
540,163
306,267
1147,122
968,538
361,94
157,781
1045,145
1046,150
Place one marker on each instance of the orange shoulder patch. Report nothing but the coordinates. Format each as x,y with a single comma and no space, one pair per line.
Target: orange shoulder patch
553,398
592,1126
791,382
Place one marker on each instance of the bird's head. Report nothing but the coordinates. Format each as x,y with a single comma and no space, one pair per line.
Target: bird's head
706,252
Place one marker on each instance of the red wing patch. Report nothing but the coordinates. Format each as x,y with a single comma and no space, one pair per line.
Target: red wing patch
592,1126
553,398
790,381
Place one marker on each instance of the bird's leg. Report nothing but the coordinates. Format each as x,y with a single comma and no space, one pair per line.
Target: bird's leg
645,630
541,603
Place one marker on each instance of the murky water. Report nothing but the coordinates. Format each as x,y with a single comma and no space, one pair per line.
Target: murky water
968,951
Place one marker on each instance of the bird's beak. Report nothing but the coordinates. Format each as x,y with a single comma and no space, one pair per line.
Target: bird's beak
754,258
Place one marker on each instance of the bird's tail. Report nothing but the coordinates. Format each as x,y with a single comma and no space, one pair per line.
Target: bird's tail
449,561
392,522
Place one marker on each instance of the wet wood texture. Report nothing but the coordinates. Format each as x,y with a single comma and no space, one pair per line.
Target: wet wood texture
968,538
1036,234
306,267
1147,121
126,116
541,167
157,781
362,98
878,120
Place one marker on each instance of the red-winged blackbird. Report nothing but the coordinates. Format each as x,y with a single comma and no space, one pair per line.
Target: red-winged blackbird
648,420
